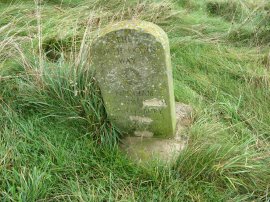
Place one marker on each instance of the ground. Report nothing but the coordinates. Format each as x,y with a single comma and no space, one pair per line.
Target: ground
56,143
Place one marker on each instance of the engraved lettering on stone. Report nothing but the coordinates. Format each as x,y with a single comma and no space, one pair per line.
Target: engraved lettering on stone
154,103
141,119
132,63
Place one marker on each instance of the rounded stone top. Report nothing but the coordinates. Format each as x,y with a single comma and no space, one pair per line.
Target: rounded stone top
138,25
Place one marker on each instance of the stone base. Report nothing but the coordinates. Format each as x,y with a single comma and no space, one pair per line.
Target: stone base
143,149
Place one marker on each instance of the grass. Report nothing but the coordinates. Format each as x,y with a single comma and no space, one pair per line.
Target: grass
56,143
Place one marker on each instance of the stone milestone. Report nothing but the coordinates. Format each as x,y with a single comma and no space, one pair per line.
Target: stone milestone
133,67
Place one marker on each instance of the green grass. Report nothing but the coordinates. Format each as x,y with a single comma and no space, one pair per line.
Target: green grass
56,143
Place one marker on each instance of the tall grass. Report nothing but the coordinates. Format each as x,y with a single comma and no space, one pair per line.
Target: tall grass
56,143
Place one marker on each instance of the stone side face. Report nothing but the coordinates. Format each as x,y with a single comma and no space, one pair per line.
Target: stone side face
133,67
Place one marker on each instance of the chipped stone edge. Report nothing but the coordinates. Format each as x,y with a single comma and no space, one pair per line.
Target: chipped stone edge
184,120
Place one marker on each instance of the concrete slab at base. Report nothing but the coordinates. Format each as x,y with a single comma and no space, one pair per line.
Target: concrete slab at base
143,148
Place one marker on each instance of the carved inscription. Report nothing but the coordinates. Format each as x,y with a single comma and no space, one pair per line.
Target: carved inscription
127,61
126,46
132,65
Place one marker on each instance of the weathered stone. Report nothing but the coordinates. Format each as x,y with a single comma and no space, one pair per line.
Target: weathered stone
145,149
133,68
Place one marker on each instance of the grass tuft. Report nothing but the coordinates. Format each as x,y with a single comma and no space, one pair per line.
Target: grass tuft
229,10
56,142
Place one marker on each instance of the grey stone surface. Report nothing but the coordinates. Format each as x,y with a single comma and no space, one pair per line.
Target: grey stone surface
144,149
133,68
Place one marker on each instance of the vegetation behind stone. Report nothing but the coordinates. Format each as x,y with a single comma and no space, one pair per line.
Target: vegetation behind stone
56,143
